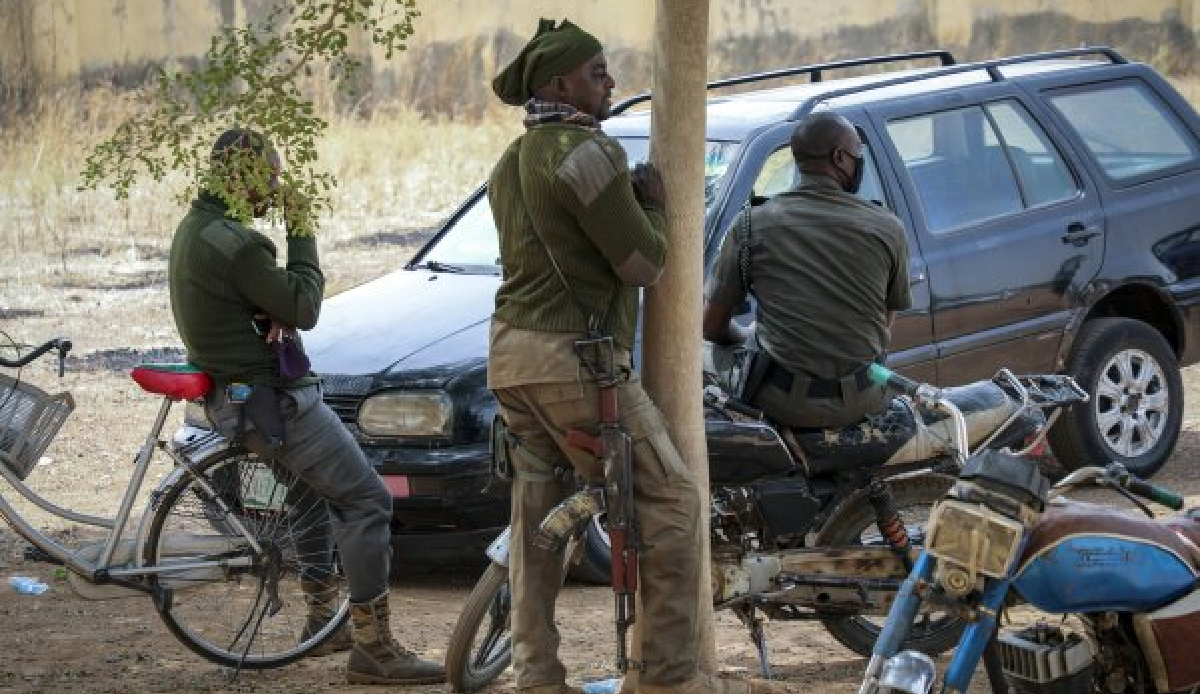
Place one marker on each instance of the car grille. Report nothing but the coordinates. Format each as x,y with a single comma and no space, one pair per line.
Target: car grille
346,407
344,394
346,385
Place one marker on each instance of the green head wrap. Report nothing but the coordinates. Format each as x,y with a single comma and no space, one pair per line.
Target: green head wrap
552,51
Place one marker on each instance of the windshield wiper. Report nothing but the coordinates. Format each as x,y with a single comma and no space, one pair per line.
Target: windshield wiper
439,266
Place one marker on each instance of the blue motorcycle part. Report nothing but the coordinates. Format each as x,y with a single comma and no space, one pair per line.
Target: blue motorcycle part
1097,573
976,636
904,608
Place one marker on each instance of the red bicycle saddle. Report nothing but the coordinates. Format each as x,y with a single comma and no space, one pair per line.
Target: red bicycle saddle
175,381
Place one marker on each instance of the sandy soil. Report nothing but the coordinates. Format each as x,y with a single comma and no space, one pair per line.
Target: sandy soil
58,643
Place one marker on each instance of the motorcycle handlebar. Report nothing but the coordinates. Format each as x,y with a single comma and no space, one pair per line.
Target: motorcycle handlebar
1147,490
881,375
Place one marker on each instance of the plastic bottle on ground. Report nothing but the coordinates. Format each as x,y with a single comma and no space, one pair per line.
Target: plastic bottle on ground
27,585
611,686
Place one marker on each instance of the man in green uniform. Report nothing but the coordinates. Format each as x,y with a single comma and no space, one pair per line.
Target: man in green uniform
224,280
578,235
829,271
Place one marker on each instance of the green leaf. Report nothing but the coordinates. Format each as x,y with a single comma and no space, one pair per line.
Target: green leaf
253,77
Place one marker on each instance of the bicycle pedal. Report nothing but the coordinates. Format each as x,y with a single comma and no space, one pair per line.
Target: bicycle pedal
37,554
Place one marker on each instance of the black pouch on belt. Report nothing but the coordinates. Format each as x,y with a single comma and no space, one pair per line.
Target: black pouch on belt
264,410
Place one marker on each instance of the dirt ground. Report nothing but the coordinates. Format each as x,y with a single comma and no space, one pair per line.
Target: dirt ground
61,644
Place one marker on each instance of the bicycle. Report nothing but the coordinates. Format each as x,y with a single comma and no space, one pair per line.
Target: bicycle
222,544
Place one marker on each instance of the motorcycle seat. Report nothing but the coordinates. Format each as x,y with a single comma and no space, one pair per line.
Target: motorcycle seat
901,434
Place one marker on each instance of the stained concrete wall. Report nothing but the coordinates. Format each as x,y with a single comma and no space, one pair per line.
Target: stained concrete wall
459,44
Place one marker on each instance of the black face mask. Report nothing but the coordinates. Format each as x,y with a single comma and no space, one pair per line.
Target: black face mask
856,180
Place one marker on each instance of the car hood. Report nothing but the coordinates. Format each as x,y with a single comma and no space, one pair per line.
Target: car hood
408,319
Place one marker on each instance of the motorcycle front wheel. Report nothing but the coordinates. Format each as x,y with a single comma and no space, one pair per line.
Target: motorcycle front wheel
480,646
932,633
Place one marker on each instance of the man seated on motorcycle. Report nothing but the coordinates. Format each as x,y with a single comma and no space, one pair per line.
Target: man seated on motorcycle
829,270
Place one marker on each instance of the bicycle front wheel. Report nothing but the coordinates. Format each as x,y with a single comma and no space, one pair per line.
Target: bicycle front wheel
231,602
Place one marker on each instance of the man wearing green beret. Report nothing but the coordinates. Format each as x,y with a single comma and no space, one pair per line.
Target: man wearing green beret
579,235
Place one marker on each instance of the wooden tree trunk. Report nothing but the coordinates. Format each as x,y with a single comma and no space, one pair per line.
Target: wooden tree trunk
671,341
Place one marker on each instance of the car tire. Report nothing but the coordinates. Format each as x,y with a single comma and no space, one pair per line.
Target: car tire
595,561
1136,406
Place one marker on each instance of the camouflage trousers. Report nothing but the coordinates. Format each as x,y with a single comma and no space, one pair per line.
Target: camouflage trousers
668,508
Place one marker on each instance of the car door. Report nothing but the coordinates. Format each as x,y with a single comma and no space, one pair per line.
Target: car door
1010,228
1140,141
768,168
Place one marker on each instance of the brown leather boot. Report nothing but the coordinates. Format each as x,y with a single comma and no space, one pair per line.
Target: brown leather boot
376,657
322,600
704,683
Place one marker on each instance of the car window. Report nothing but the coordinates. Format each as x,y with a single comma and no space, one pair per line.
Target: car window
958,167
1043,175
471,240
1127,128
779,174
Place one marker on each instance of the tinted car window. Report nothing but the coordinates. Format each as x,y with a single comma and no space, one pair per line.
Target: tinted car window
958,166
779,174
1043,175
1127,128
472,241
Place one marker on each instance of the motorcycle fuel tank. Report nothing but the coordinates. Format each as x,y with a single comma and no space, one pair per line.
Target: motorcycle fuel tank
1092,559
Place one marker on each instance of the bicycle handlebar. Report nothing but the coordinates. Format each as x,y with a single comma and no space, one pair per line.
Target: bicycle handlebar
63,346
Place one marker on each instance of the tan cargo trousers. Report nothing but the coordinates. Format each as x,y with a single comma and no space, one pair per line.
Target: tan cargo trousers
668,508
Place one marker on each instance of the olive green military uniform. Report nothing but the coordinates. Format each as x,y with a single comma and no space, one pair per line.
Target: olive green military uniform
221,274
566,188
826,266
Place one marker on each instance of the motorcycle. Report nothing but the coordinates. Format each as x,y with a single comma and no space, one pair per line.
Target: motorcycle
1004,536
806,523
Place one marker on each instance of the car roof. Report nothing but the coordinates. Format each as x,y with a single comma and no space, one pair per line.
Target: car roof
731,117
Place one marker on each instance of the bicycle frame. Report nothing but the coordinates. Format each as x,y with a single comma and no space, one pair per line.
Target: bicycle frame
102,571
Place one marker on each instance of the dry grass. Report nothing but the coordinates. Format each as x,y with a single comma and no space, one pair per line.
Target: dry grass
398,171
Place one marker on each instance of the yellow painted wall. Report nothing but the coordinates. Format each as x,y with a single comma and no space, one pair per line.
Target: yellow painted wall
459,44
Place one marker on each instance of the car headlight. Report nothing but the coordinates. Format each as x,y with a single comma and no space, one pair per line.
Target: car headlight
406,413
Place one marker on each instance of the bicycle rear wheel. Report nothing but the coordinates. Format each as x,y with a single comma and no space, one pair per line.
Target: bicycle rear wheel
250,611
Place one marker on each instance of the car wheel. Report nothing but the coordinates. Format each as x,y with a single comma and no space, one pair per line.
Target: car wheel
1136,405
595,563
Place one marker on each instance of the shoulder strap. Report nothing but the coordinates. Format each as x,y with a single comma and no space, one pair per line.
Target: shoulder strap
744,250
596,327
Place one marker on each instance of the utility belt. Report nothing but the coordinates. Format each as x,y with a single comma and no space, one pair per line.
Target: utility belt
765,370
827,388
258,407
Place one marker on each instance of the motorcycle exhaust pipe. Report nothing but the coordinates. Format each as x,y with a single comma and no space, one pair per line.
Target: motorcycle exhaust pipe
569,518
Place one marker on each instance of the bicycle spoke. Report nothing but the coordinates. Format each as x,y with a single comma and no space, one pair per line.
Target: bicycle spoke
251,616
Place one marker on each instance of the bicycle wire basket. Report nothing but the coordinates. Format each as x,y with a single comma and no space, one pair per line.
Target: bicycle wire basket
29,419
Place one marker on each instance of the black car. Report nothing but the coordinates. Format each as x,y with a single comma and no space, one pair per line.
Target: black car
1052,203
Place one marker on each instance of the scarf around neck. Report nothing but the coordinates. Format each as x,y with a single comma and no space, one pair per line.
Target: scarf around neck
542,112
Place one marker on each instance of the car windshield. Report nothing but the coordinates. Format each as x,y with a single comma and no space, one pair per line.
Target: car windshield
471,243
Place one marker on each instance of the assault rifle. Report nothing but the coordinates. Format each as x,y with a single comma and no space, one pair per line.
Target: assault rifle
613,448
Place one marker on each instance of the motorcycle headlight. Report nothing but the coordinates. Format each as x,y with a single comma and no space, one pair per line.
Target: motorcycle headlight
406,413
974,537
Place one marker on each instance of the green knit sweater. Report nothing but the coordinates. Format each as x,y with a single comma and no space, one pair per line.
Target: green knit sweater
221,274
567,188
